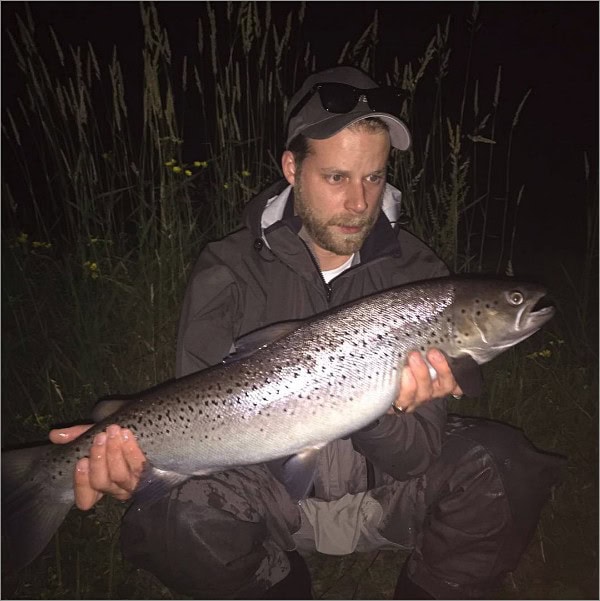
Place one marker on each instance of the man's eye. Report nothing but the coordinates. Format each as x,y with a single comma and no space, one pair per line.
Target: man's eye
375,179
335,178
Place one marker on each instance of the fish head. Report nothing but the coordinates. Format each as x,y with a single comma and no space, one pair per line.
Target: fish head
490,316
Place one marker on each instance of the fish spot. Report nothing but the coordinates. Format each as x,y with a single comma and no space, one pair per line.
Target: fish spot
229,390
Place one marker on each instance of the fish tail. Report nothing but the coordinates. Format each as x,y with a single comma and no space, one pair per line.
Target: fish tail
34,504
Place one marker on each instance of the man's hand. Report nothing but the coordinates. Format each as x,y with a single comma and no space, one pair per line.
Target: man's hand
417,387
114,466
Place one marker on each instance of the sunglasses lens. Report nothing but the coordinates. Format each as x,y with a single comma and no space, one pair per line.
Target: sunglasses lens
338,97
385,100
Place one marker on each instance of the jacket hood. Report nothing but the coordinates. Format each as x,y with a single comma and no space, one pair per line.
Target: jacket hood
273,205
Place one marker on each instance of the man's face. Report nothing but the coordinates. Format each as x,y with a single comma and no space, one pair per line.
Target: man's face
339,189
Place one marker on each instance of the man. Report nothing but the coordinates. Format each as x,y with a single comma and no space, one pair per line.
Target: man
464,495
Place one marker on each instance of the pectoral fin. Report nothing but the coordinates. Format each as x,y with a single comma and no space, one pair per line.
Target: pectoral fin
254,341
297,472
155,484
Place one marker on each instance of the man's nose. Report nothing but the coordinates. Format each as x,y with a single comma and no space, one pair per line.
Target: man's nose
356,200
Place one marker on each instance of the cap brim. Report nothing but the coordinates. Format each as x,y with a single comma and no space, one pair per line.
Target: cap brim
332,124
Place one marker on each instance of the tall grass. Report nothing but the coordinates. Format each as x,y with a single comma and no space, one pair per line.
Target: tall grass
104,212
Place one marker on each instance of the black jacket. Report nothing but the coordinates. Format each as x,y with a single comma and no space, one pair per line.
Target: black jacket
263,274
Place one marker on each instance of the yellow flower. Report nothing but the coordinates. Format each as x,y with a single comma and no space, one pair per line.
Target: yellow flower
22,238
170,163
177,169
245,173
226,186
188,172
545,353
92,269
200,164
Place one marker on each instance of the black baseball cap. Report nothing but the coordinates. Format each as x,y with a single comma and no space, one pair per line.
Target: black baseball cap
314,121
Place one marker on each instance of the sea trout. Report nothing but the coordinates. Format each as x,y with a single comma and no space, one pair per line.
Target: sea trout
318,380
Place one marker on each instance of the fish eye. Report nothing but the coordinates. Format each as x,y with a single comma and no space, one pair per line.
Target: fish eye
515,298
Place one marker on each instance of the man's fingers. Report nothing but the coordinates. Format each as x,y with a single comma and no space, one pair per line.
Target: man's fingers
134,456
124,458
64,435
118,471
85,496
408,391
445,383
417,386
422,377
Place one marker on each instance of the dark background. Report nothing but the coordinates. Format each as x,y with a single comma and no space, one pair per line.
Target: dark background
550,47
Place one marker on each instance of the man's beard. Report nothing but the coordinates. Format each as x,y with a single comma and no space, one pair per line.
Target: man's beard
329,238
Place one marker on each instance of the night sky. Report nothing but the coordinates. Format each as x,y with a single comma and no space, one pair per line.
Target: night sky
550,47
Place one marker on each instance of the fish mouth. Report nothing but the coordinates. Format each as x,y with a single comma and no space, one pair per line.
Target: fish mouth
535,313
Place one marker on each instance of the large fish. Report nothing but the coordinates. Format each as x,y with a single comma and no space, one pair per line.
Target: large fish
326,378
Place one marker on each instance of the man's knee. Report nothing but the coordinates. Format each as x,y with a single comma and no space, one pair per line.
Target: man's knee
195,549
485,493
527,474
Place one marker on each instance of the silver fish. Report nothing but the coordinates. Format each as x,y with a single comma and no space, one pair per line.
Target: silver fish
327,377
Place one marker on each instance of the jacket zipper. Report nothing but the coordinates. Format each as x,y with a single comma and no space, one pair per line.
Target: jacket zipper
328,288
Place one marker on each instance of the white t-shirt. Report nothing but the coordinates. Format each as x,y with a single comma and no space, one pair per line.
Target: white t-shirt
332,273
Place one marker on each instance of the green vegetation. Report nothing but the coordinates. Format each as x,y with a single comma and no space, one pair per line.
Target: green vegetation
107,215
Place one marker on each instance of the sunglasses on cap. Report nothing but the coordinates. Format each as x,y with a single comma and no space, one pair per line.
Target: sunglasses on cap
342,98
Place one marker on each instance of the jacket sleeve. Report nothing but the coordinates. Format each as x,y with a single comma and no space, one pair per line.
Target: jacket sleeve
404,446
209,317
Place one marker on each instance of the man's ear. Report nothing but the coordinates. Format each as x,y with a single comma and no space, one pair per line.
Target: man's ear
288,166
